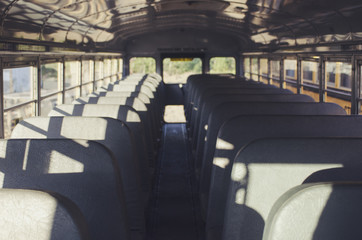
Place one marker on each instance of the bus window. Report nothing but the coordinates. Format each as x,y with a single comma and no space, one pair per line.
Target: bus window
51,75
264,70
310,72
290,74
72,80
47,104
247,68
87,77
290,68
177,70
339,83
338,75
107,71
120,68
18,89
72,74
98,73
254,69
142,65
114,70
222,65
275,72
310,80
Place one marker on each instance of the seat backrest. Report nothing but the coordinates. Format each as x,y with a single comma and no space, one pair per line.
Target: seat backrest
240,130
135,103
262,96
113,134
317,211
83,171
129,88
123,113
39,215
266,168
276,105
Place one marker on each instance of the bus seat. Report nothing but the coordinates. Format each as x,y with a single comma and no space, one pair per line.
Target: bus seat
330,210
266,168
31,214
113,134
123,113
237,132
83,171
137,104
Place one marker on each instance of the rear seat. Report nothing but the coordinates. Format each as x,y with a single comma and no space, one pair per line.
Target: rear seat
266,168
329,210
125,114
83,171
114,135
240,130
39,215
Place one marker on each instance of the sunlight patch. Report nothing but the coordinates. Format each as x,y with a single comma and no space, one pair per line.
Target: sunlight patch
60,163
224,145
221,162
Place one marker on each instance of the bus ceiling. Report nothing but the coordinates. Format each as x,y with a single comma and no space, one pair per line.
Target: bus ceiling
127,25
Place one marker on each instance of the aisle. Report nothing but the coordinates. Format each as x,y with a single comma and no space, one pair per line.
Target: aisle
174,213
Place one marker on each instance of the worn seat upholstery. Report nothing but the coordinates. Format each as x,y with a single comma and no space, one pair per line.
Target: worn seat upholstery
83,171
329,210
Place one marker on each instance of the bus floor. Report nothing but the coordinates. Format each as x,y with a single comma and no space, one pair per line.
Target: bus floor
174,211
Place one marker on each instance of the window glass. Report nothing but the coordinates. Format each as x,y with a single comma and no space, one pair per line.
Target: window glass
222,65
107,67
49,103
275,70
142,65
120,66
87,89
254,69
72,73
338,75
264,69
100,83
87,71
51,78
177,70
18,85
331,74
98,70
114,66
310,72
14,116
71,95
290,68
247,68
